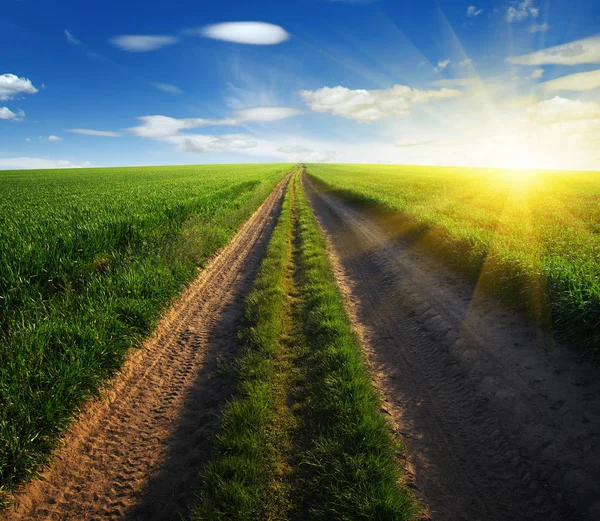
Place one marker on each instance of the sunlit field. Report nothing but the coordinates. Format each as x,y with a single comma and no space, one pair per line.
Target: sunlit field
89,258
530,236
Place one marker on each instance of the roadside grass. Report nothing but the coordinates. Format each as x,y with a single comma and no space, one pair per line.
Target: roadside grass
304,438
89,260
348,469
531,238
246,476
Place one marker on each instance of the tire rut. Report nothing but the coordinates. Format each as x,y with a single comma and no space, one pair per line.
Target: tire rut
135,452
500,421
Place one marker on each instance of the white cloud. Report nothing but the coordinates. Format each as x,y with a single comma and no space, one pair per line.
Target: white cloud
6,113
521,10
536,73
539,28
466,62
28,163
27,139
473,11
88,132
142,43
442,64
54,139
581,81
266,114
557,110
11,86
370,105
166,87
253,33
586,50
162,126
202,144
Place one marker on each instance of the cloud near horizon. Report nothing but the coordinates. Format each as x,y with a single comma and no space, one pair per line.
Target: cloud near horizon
367,106
38,163
163,126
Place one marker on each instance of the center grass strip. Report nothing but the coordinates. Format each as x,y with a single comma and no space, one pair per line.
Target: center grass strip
245,478
349,469
304,438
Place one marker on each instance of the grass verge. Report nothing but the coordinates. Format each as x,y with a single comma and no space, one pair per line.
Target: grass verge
304,438
246,477
349,469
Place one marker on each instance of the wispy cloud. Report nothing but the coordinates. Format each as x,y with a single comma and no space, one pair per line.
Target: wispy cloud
76,42
12,86
521,10
142,43
539,28
298,153
72,39
557,110
456,82
164,126
442,64
371,105
536,73
581,81
202,144
473,11
167,87
251,33
89,132
577,52
6,113
54,139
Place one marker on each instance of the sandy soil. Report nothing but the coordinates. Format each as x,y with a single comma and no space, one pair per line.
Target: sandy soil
135,453
501,423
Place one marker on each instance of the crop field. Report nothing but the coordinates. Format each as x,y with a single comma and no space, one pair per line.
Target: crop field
89,258
532,237
312,343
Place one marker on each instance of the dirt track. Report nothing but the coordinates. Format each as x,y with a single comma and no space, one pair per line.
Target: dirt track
500,422
135,453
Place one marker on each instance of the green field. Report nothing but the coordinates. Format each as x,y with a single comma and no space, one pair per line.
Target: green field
89,259
530,237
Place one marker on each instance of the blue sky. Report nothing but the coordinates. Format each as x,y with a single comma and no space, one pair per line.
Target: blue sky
489,83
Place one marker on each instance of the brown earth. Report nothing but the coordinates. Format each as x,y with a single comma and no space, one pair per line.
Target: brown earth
501,422
135,453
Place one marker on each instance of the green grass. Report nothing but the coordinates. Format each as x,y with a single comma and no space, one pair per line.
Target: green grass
532,238
348,469
304,438
89,260
245,479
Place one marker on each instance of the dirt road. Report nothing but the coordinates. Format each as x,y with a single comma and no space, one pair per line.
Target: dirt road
500,422
135,454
